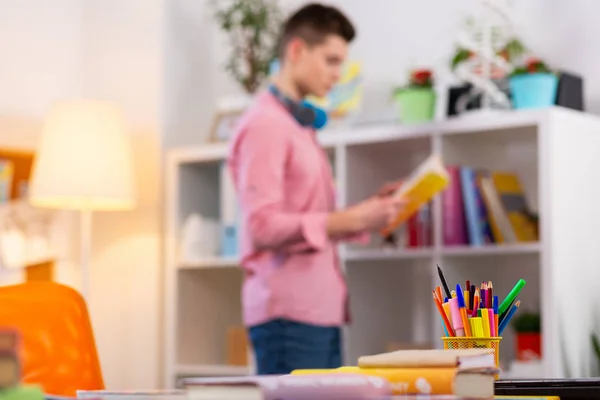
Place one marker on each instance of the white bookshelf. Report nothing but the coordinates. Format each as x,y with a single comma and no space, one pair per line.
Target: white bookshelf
555,152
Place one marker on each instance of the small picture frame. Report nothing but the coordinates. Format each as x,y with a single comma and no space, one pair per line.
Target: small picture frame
224,124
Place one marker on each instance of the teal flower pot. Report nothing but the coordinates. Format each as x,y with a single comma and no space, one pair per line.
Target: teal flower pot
537,90
416,105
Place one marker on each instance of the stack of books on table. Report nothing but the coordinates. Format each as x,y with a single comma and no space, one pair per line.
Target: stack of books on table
455,373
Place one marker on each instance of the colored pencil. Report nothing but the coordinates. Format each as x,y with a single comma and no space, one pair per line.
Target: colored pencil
443,280
463,311
495,308
475,311
512,312
447,324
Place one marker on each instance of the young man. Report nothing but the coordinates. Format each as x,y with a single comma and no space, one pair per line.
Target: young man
294,294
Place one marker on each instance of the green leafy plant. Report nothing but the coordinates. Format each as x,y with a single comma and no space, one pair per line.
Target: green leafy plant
596,346
511,52
527,322
532,66
253,28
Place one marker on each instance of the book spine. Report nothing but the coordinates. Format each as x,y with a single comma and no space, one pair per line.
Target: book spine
454,224
467,178
326,386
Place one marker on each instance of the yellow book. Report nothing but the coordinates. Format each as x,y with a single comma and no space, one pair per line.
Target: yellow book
429,179
477,383
513,201
526,398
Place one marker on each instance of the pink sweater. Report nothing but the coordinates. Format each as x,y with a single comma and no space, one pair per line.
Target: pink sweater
285,189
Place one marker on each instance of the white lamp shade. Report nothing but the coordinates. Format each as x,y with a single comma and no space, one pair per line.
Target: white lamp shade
83,160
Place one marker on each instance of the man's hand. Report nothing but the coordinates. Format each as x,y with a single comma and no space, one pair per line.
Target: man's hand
376,212
373,214
389,188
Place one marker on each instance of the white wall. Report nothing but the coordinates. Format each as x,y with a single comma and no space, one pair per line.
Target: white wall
41,44
111,50
122,63
393,36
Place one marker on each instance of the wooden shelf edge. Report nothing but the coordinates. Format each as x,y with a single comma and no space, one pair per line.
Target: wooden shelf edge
209,263
386,254
496,249
212,370
458,251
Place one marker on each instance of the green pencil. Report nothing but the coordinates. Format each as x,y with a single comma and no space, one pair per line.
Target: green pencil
511,296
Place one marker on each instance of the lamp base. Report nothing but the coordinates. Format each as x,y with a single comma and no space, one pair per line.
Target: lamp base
85,220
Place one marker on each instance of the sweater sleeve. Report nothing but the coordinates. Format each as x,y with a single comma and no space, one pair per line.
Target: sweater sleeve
261,161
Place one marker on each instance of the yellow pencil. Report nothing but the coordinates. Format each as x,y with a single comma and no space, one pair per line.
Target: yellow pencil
485,320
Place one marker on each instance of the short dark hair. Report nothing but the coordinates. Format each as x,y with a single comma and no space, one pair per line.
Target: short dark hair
313,23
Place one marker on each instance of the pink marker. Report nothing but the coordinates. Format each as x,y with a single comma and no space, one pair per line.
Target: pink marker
457,322
493,332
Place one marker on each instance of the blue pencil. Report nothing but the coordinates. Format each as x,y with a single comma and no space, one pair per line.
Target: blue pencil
506,320
444,326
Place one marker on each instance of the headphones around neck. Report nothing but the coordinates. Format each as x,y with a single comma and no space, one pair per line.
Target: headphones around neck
305,113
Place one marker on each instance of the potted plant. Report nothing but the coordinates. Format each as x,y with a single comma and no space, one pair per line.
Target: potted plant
527,327
510,52
416,100
596,347
252,27
533,85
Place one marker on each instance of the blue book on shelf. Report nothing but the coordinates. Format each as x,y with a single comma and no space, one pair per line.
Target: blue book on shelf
468,183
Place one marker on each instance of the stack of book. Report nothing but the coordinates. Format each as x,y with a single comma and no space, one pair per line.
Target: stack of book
10,370
462,373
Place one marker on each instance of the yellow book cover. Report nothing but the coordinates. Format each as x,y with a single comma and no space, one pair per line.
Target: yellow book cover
526,398
514,203
489,197
429,179
433,381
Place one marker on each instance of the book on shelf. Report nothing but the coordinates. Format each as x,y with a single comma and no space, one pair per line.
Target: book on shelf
10,363
482,207
271,387
421,186
6,180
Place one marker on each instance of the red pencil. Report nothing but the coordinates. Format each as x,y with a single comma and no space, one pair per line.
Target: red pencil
447,324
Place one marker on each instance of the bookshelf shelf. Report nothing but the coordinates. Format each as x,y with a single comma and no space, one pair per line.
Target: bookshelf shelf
356,254
214,262
552,151
386,254
492,250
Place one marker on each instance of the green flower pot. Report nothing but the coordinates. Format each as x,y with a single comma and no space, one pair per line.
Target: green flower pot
416,105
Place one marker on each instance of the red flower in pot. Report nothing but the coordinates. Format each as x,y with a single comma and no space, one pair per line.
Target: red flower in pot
421,78
527,328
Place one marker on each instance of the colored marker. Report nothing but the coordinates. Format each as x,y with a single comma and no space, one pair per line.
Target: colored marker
512,312
457,322
511,296
443,280
495,308
463,310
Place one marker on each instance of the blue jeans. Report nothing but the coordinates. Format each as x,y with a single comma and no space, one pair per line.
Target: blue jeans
281,346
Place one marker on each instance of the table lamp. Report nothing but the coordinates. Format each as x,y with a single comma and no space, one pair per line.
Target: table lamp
83,163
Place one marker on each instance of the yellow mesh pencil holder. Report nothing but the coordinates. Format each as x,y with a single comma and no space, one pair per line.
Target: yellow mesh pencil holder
455,343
